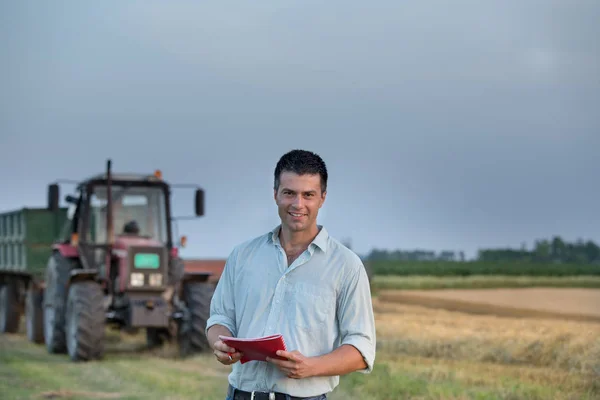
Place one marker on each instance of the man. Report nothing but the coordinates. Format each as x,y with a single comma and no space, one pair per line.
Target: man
298,281
131,228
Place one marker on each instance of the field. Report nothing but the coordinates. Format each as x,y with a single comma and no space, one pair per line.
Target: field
570,346
565,303
424,352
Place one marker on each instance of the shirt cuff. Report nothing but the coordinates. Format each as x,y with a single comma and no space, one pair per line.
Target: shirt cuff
366,349
221,320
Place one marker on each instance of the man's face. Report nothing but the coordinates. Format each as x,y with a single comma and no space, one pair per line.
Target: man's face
299,199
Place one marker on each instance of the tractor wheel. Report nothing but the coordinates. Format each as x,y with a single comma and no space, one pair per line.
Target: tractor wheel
9,308
34,315
191,336
85,321
55,298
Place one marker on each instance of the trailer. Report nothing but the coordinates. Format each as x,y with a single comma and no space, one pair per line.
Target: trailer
26,239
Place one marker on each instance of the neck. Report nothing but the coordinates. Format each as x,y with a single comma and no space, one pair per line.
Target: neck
297,240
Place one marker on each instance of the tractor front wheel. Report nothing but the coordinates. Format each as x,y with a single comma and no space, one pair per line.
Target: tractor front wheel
191,336
85,321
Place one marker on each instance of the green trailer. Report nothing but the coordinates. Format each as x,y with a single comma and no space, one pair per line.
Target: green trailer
26,239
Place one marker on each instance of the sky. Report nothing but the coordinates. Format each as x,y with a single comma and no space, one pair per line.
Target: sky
444,125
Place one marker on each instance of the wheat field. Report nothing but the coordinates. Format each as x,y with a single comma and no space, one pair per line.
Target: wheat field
414,330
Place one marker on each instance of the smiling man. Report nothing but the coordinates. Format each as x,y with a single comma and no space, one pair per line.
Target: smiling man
298,281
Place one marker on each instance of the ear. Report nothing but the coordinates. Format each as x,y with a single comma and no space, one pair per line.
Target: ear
323,196
275,195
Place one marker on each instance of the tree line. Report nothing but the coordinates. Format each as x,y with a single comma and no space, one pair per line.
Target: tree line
554,250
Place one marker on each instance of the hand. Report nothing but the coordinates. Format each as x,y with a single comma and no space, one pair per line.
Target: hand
225,354
296,366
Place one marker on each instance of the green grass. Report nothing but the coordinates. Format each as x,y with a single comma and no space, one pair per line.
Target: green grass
381,282
27,371
467,268
422,378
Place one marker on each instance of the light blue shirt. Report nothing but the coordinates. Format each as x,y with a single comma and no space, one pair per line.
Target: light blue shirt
321,301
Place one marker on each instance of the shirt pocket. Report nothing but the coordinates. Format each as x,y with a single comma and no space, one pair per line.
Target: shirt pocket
311,308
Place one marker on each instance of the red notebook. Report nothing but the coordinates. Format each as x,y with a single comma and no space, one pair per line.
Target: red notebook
257,349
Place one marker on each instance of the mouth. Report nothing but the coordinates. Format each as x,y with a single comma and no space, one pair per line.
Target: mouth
296,215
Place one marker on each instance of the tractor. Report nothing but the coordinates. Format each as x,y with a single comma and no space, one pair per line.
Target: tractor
117,265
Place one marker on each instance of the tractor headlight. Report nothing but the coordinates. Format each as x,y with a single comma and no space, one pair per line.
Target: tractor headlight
155,279
137,279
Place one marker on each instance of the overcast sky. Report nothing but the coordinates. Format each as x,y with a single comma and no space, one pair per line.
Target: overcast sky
444,125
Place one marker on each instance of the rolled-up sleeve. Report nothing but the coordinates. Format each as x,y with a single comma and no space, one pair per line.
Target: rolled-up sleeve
356,318
222,305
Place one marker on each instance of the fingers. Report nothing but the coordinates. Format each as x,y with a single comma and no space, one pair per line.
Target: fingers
219,345
289,369
226,355
226,358
283,364
290,363
286,354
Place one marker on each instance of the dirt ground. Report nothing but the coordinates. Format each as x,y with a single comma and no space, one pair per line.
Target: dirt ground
567,303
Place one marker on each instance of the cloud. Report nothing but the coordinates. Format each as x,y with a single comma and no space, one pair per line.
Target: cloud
354,46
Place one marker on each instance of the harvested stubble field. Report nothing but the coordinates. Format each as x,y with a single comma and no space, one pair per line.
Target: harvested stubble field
568,346
563,303
422,353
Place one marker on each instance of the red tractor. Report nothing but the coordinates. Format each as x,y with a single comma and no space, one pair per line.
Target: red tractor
118,265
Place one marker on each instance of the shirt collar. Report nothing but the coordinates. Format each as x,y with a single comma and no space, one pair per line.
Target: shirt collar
319,241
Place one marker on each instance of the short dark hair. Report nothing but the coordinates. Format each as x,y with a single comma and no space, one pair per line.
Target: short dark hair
301,162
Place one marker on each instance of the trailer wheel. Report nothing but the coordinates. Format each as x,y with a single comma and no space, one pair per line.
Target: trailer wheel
57,277
191,336
34,315
9,308
85,321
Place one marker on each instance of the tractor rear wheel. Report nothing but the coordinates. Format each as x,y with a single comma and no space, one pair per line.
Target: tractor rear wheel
85,321
34,315
9,308
55,298
191,336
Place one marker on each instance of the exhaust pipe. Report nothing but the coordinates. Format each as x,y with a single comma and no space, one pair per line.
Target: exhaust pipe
109,221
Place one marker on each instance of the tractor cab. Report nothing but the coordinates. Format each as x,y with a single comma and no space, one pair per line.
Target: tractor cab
143,207
111,213
113,218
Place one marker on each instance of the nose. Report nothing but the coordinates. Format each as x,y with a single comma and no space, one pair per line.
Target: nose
298,202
